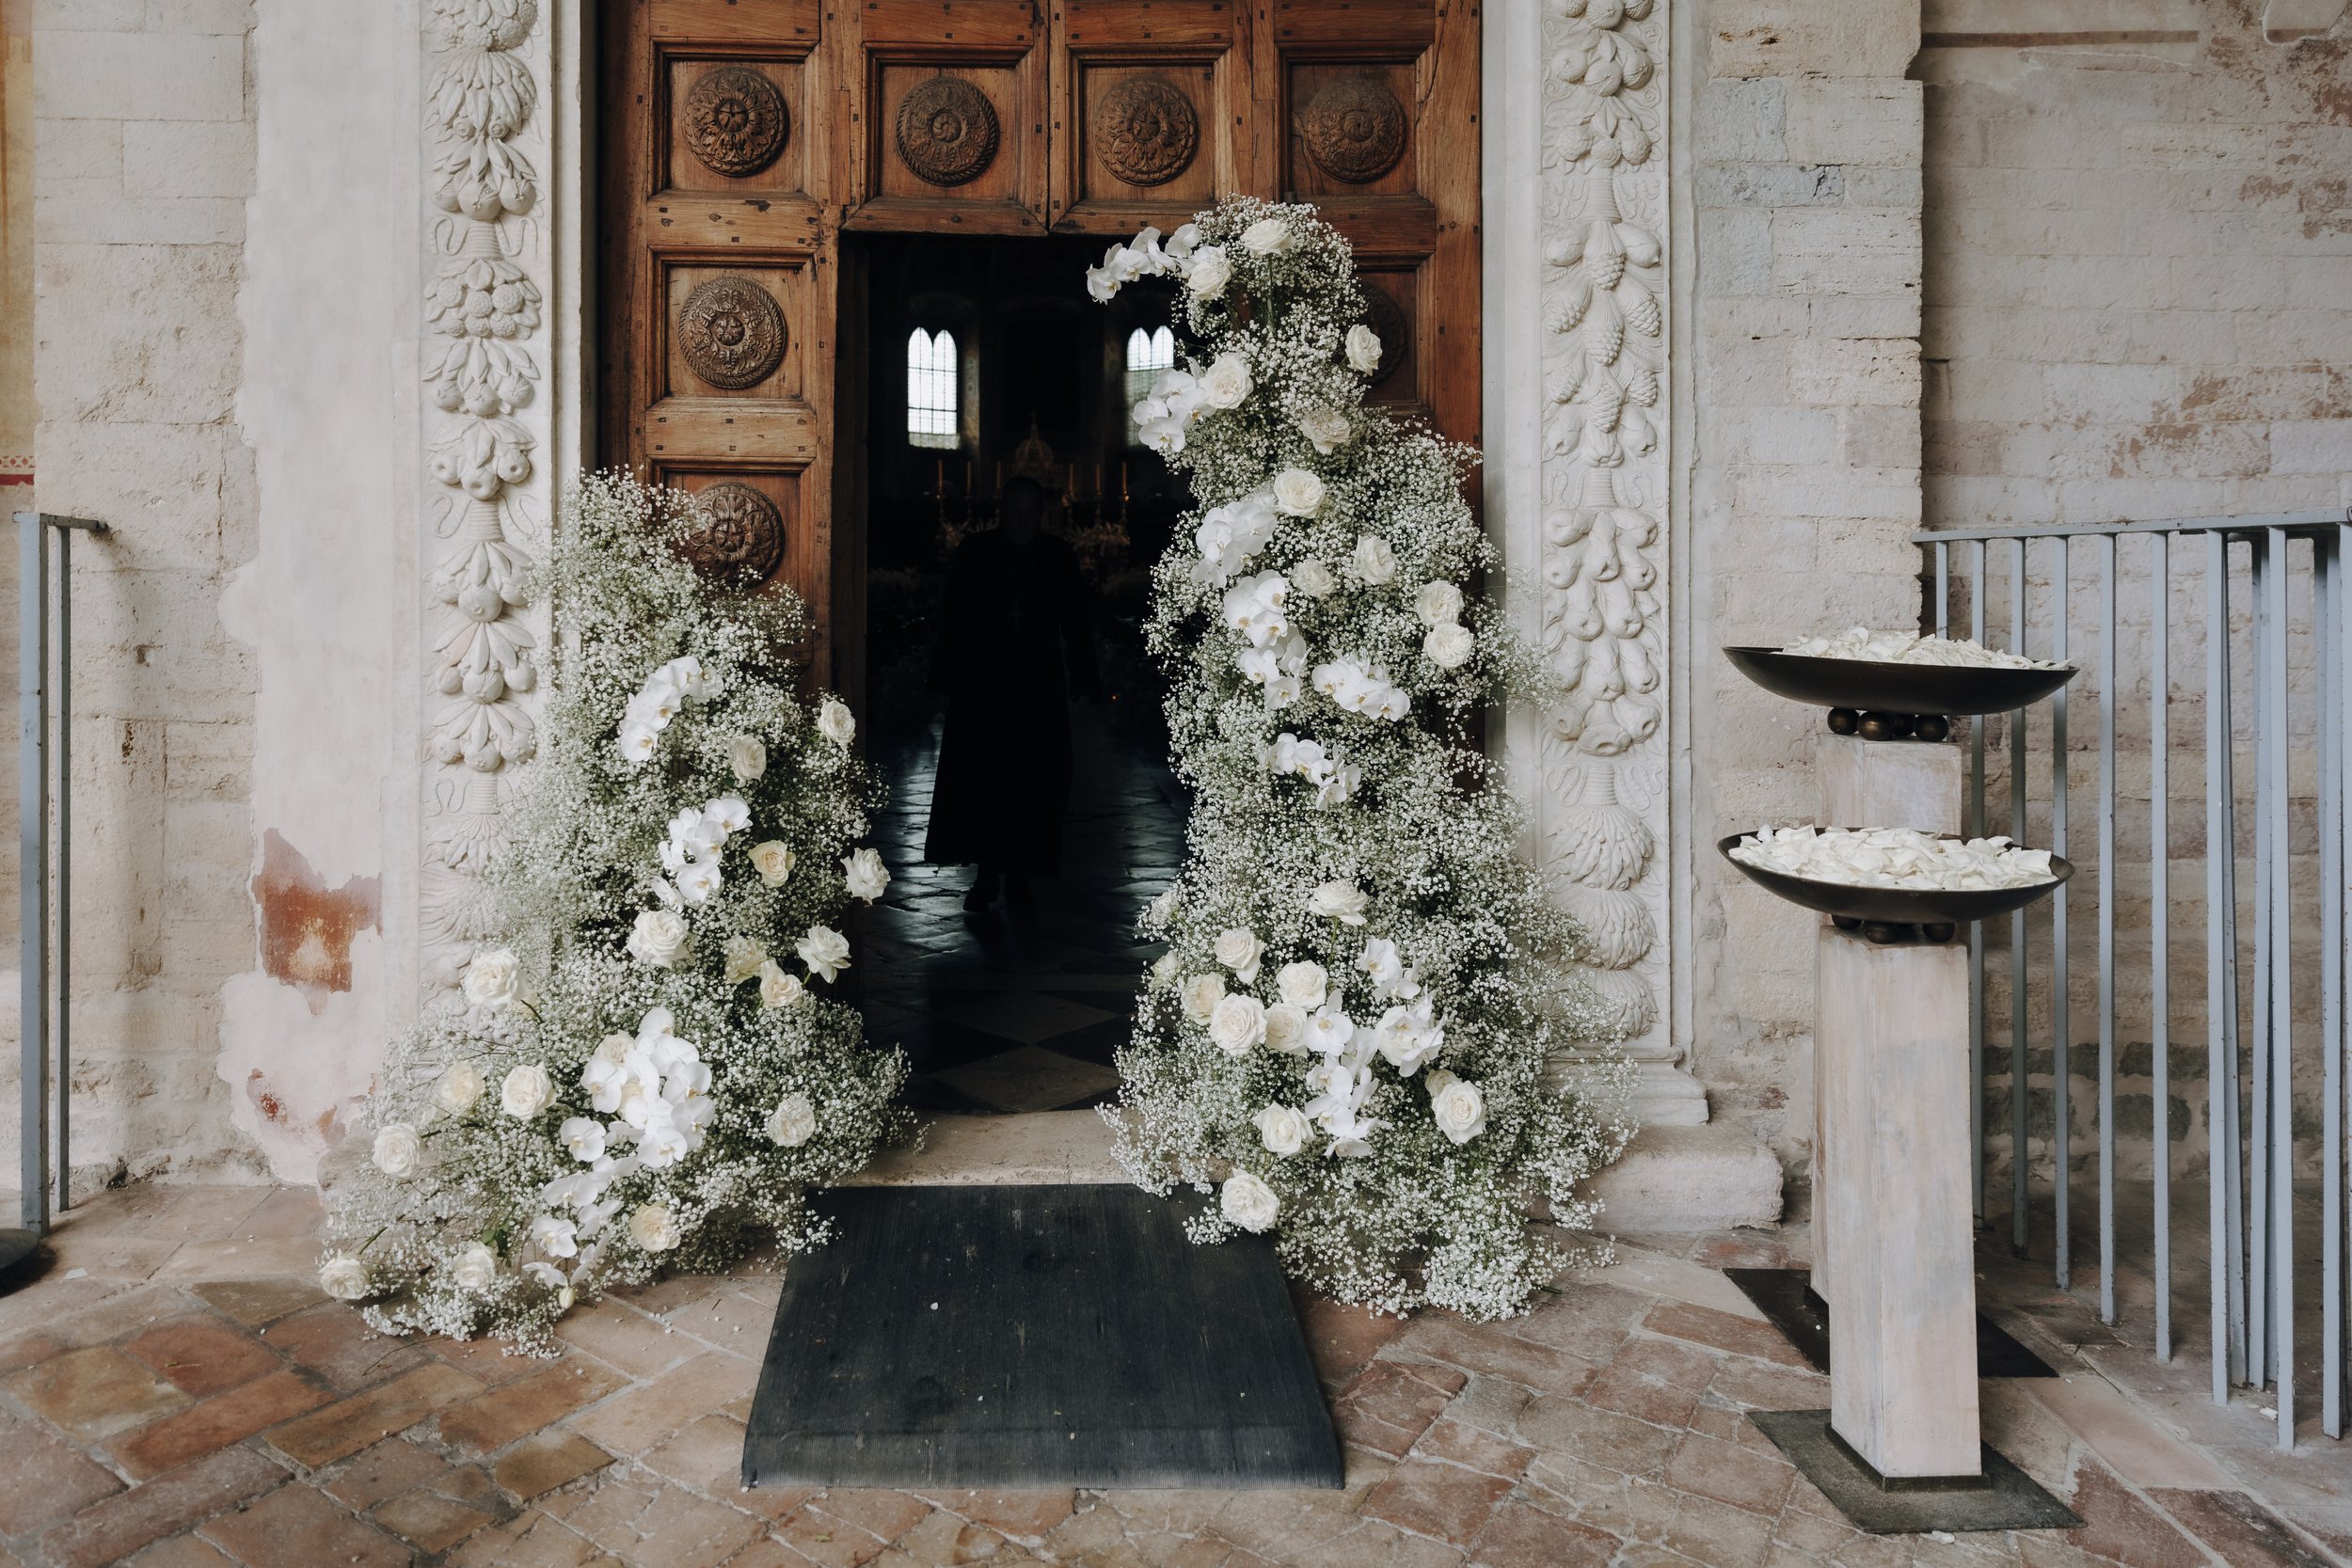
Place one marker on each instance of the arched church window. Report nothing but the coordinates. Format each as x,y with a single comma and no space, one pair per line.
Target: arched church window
931,387
1147,354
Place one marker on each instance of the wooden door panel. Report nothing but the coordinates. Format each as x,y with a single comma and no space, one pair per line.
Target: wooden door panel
953,97
1152,111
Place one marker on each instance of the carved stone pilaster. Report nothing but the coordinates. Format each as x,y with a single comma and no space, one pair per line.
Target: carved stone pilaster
486,506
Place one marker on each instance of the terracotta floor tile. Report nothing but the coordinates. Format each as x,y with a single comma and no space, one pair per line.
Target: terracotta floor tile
255,1301
1731,1473
491,1420
2245,1533
634,1420
203,1356
215,1423
92,1394
706,1457
43,1480
335,1342
1436,1500
432,1522
1718,1534
546,1459
1457,1443
349,1425
298,1528
1629,1392
1703,1325
823,1540
886,1515
1390,1404
287,1212
114,1527
390,1467
1520,1535
2117,1525
488,1359
1024,1515
670,1527
180,1551
624,1339
1342,1339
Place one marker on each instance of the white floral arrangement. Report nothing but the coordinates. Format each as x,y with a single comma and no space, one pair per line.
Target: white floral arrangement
1909,647
1894,858
1347,1035
651,1074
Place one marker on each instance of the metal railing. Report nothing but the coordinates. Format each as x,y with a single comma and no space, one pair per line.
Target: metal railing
45,853
2270,618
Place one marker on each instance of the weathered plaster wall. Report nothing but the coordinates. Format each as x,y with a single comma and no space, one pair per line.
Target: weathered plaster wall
1804,474
143,126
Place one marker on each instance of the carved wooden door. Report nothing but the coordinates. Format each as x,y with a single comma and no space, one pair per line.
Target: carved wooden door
741,141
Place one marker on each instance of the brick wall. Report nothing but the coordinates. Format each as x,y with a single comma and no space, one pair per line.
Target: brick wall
144,157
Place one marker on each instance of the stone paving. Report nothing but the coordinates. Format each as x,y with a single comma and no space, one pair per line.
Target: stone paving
175,1393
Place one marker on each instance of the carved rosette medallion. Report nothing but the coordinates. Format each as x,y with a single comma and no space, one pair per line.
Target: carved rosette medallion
947,131
1387,320
731,332
736,121
1145,131
1355,129
739,534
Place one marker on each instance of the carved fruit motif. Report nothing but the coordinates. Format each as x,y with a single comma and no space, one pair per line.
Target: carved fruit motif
1354,128
731,332
736,121
1145,131
947,131
739,534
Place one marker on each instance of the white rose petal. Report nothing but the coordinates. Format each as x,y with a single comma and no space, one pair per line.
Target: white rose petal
1305,984
1342,901
526,1091
1328,428
1457,1105
476,1269
1201,994
1282,1130
344,1277
1226,384
659,939
1298,492
1363,349
1374,563
1312,577
1267,237
865,875
1210,271
1237,1023
747,757
1238,950
458,1087
1248,1202
778,988
825,951
1286,1028
492,979
1437,604
398,1149
773,860
835,723
744,958
793,1122
652,1226
1449,647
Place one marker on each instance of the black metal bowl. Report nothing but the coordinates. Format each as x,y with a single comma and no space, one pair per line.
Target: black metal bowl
1897,906
1864,684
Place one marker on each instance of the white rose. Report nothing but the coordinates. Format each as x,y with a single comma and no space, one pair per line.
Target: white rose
1298,492
865,875
825,951
1449,647
1282,1130
1460,1110
1437,604
1312,577
459,1087
1226,384
747,757
744,958
584,1137
526,1091
778,989
398,1149
1286,1028
1342,901
1328,428
1210,271
1304,984
1201,993
659,938
1237,1023
1374,563
492,980
1163,969
1238,950
835,723
1363,349
1248,1202
652,1225
1267,237
773,860
344,1277
476,1268
793,1122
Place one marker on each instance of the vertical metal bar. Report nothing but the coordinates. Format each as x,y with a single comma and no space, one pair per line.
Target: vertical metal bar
2222,1155
2282,997
1976,928
2326,575
2258,1346
2019,1078
64,1024
2338,895
31,774
2160,917
2111,693
2061,1000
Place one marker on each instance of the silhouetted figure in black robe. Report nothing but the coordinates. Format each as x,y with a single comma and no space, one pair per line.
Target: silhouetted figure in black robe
1016,640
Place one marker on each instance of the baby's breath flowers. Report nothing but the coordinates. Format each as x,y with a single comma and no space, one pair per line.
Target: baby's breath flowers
1348,1034
610,1094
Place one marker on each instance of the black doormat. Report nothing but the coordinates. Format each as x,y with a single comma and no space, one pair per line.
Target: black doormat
2004,1498
1012,1336
1786,1298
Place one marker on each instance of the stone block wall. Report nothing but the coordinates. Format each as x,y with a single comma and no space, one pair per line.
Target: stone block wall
144,156
1805,474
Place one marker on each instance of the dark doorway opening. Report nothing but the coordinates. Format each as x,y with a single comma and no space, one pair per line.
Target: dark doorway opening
995,384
